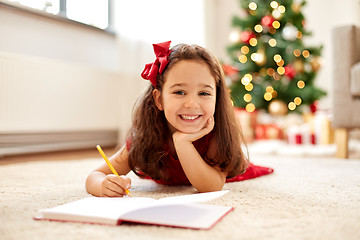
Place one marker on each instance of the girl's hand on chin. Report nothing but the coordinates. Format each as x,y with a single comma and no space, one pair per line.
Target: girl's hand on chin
192,137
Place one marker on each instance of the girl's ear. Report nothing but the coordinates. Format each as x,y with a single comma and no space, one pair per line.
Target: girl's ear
157,99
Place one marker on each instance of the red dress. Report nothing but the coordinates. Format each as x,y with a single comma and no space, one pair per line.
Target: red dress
177,175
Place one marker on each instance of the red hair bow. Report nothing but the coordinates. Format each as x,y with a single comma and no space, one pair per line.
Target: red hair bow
151,70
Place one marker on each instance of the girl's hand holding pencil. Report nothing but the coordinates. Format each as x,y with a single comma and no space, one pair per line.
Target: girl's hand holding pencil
113,184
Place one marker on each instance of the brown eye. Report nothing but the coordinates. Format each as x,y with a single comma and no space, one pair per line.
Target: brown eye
179,92
204,94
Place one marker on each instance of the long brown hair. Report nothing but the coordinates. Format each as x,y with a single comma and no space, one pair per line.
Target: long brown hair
150,131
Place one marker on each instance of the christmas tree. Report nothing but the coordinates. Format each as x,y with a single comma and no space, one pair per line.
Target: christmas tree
271,67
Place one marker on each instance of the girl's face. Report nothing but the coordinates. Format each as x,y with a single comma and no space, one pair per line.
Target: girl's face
188,96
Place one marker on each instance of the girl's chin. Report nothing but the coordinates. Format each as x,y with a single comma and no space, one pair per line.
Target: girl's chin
184,130
188,130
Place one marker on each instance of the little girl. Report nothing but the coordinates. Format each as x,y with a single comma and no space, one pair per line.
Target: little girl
183,131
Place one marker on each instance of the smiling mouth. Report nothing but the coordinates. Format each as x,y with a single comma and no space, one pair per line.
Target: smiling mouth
189,117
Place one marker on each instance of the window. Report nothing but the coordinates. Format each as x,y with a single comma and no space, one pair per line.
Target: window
91,12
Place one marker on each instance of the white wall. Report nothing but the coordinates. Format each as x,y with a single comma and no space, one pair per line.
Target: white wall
36,35
321,17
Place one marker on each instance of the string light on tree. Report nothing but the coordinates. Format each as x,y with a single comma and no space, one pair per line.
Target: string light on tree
297,100
245,49
272,30
274,4
245,81
281,9
247,97
272,42
253,42
269,89
301,84
281,63
281,70
252,6
291,106
270,93
249,87
250,107
242,58
258,28
297,53
274,94
267,96
306,53
263,72
299,35
277,58
270,72
276,24
249,76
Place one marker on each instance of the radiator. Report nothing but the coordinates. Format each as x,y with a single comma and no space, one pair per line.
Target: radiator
50,105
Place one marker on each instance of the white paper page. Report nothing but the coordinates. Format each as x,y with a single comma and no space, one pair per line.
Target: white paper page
194,198
189,215
95,209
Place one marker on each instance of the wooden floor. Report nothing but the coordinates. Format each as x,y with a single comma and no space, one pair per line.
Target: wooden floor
60,155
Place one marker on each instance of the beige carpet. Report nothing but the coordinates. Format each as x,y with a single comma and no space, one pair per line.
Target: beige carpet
305,198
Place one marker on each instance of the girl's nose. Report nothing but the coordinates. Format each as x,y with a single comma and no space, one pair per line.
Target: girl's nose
192,102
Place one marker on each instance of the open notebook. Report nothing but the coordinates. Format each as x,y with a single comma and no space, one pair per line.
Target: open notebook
180,211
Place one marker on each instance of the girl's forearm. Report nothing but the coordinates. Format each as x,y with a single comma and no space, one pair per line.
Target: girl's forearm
93,183
202,176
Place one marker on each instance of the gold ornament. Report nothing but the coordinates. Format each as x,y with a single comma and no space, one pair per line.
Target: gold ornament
260,57
278,107
299,66
289,32
296,7
234,36
315,63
